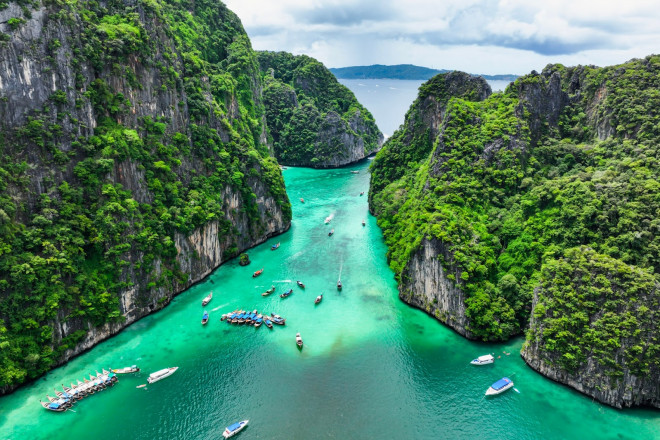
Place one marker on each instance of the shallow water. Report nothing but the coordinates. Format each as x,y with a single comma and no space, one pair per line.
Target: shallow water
371,367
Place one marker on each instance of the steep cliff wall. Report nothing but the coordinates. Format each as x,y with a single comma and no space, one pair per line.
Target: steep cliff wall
313,120
595,328
474,198
135,162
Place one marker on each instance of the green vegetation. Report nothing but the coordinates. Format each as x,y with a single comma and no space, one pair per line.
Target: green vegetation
300,96
505,198
593,306
72,237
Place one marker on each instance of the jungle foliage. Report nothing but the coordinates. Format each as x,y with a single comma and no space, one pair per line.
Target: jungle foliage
299,93
71,238
507,198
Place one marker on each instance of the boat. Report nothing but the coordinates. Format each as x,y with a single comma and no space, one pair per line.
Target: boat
302,200
53,406
205,317
258,321
362,193
483,360
339,286
285,294
234,429
363,223
257,273
355,172
269,291
161,374
318,299
126,370
268,322
332,231
277,319
328,219
228,316
275,246
300,284
499,387
207,300
299,341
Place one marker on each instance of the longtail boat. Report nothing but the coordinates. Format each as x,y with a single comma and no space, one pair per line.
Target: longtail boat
257,273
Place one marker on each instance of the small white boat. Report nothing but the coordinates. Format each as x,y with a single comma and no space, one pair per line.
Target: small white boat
161,374
126,370
499,387
299,341
328,219
483,360
234,429
207,300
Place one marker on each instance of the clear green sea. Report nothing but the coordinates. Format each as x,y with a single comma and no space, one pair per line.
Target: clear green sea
371,366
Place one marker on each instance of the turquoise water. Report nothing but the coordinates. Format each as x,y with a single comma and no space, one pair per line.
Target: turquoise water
371,366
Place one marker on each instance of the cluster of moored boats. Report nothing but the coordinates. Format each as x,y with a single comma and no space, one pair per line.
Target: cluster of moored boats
69,395
252,318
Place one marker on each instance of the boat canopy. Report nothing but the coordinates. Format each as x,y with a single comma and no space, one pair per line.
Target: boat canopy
53,406
501,383
486,357
234,427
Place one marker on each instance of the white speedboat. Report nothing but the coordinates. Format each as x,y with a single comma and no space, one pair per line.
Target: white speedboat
126,370
500,386
234,429
161,374
208,299
483,360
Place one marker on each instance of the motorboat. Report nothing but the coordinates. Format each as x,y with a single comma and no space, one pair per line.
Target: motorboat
268,322
499,387
362,193
205,317
328,219
161,374
302,200
364,223
483,360
332,231
318,299
299,341
269,291
355,172
126,370
258,321
300,284
257,273
277,319
285,294
234,429
339,286
207,300
275,246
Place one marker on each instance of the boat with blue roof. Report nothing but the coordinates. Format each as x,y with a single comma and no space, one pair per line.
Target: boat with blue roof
205,317
234,429
285,294
500,386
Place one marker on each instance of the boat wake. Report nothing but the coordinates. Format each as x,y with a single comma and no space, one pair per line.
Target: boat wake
282,281
219,307
329,218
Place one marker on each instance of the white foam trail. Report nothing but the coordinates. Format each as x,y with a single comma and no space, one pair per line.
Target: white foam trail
282,281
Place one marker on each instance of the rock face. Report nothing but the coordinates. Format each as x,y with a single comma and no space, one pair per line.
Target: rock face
610,323
476,193
424,284
313,120
135,161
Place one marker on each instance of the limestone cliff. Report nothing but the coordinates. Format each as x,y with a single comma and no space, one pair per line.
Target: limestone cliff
313,120
135,161
595,327
476,194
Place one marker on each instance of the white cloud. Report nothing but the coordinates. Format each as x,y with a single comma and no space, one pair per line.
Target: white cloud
481,36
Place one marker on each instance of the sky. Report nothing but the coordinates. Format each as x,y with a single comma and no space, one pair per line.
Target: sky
476,36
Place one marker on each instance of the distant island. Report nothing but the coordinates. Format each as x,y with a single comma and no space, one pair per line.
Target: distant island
401,71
